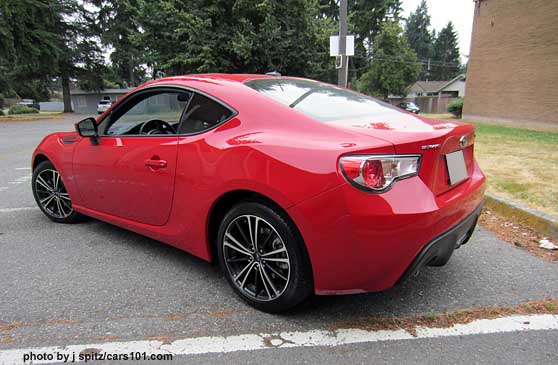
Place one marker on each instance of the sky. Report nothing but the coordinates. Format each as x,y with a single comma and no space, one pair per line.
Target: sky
460,12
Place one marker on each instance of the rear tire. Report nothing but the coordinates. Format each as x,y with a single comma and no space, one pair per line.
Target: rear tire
264,258
51,194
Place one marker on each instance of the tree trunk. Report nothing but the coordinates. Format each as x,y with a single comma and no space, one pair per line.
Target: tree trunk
66,94
131,72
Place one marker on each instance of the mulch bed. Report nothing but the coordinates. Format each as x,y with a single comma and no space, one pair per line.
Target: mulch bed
517,234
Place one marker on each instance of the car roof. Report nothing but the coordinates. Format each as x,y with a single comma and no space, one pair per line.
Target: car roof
215,77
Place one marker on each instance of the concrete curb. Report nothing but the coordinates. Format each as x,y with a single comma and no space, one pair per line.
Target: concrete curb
542,222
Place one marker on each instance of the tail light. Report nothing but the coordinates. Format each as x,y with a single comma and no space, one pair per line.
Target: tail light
378,173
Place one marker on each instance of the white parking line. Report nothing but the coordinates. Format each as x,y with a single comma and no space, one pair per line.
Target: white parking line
23,168
262,341
9,210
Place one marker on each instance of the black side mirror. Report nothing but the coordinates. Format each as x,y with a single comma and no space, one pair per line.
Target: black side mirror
88,128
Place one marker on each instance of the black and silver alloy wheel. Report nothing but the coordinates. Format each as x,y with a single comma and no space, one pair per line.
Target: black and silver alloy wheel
256,257
51,194
263,256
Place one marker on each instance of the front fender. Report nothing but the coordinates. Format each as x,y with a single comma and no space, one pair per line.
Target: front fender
58,148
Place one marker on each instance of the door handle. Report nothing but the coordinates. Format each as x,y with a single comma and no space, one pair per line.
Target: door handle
155,163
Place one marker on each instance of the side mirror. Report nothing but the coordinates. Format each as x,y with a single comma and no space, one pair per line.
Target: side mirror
88,128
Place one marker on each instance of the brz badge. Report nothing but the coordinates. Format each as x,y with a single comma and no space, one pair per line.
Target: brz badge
430,146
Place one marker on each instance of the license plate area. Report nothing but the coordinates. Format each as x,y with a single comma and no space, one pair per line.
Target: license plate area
457,170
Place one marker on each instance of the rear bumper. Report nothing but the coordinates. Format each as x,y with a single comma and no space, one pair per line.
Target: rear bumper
438,251
360,242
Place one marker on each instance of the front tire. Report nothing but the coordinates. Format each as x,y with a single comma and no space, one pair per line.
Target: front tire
51,194
264,258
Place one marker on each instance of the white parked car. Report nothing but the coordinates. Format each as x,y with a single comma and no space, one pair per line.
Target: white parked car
103,106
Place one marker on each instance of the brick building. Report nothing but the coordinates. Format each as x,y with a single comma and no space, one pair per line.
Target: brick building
513,66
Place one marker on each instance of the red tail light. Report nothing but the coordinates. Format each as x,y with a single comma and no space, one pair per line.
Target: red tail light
373,174
378,173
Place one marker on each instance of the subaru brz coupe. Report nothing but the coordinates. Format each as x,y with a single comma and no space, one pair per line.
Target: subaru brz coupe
294,186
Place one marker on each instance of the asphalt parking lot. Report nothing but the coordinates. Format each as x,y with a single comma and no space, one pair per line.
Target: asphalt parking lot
95,283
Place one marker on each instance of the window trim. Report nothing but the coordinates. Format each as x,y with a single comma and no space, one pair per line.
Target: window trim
150,88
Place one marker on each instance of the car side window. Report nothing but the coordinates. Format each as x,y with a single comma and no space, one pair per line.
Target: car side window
151,113
203,114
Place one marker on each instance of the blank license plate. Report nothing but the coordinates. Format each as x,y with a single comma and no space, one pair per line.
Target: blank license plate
457,170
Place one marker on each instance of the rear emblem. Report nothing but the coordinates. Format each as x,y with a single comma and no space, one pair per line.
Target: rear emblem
463,141
430,146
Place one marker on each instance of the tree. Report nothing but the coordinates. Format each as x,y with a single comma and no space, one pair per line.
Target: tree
44,39
120,30
394,64
29,48
447,59
420,37
81,55
231,36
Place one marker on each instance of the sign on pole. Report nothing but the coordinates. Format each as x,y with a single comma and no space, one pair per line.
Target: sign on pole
334,46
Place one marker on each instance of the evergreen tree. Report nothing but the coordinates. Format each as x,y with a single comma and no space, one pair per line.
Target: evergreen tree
420,37
447,61
44,39
81,55
119,29
394,64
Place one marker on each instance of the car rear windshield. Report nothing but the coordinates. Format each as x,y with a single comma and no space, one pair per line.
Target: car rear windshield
104,102
321,101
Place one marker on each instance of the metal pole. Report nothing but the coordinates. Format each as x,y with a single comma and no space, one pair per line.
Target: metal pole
343,72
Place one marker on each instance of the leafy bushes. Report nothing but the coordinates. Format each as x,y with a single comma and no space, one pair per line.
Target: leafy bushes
456,107
1,112
21,109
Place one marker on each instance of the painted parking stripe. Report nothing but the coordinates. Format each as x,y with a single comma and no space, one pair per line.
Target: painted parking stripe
262,341
23,168
9,210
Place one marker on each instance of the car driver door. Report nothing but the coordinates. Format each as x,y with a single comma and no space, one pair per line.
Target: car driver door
129,170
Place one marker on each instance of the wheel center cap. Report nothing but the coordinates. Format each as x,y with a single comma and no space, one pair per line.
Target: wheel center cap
257,257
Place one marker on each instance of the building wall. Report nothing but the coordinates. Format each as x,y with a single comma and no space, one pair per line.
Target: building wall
87,103
458,86
513,67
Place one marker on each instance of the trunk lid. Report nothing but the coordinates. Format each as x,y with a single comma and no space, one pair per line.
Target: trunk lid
433,139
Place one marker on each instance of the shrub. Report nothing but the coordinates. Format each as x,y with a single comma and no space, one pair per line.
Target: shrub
456,107
1,112
21,109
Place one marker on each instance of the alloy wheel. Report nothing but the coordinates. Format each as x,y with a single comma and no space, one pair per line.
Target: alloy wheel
52,194
256,258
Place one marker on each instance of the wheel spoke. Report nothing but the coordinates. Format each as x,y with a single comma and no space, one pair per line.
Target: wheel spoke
282,249
65,196
256,234
239,259
45,205
286,261
265,285
56,179
246,240
244,271
250,231
68,204
276,272
256,284
43,183
239,247
269,235
47,198
61,211
262,269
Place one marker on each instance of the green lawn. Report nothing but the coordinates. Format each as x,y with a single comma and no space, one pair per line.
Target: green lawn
520,164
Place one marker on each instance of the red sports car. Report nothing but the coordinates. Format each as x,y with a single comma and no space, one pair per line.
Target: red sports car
294,186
